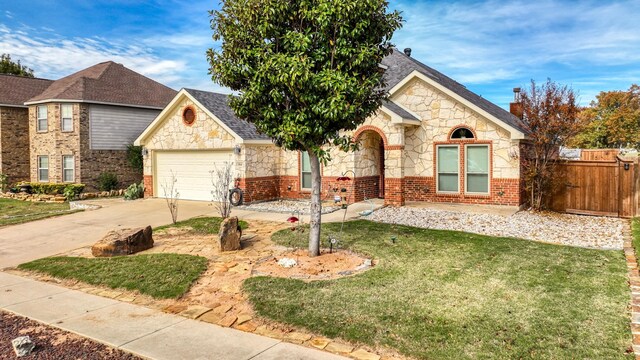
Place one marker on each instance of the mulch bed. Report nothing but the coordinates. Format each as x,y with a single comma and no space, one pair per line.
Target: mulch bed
52,343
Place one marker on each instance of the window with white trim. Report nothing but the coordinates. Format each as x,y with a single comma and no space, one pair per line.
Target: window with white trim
42,124
448,168
68,168
305,171
476,169
43,168
67,117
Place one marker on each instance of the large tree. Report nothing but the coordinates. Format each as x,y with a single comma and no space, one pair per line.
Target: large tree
305,71
550,115
8,66
611,121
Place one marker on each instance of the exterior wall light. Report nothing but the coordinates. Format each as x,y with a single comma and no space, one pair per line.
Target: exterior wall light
145,151
236,149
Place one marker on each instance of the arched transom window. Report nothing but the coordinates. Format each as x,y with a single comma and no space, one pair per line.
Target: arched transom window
462,133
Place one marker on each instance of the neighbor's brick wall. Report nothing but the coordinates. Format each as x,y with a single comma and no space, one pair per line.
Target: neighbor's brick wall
95,162
54,143
89,164
14,144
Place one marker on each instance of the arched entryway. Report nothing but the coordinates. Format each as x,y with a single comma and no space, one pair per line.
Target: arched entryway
369,164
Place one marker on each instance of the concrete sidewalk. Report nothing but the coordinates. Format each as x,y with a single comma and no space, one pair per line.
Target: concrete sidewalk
139,330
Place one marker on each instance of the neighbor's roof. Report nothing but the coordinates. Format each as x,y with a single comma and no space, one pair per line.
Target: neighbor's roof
16,90
110,83
218,105
399,66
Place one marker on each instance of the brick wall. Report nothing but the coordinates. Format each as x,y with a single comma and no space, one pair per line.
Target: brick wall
89,164
95,162
14,144
503,192
148,185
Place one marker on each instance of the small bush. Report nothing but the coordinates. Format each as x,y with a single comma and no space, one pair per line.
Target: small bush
108,181
134,191
4,181
47,188
72,191
134,157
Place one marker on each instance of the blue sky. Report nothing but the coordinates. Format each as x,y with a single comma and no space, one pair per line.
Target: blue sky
489,46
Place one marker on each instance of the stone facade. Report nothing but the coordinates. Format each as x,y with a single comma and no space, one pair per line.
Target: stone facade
395,160
14,143
88,163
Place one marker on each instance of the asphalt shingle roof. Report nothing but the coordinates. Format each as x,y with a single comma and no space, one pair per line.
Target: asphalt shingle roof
218,105
399,66
16,90
108,82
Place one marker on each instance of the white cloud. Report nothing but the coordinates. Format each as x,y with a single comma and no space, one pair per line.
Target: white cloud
54,57
495,40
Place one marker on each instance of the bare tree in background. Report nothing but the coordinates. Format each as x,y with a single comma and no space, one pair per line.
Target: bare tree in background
222,177
172,195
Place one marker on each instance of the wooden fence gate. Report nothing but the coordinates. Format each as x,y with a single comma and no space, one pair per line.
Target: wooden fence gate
599,187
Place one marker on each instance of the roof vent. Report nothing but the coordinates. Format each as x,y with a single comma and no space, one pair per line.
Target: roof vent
407,51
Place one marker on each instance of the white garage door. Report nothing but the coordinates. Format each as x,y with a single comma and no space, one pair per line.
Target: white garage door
192,170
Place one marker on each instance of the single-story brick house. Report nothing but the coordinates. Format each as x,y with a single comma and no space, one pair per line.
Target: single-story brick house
434,140
14,124
79,126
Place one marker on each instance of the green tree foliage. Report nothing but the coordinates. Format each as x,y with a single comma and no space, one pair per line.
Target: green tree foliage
550,115
8,66
134,157
305,71
611,121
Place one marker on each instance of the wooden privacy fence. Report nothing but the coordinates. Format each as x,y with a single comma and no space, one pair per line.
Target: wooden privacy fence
599,154
599,187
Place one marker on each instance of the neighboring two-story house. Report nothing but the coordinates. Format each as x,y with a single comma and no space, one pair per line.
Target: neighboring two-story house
80,125
14,124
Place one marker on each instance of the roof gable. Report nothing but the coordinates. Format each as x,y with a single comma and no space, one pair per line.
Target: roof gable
402,68
110,83
215,106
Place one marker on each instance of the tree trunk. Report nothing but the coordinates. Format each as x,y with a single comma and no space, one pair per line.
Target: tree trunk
316,206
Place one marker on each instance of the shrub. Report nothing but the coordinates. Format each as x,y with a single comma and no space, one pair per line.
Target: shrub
108,181
134,191
3,181
71,191
134,157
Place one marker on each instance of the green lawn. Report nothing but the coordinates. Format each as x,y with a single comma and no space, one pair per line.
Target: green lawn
161,276
200,225
18,211
453,295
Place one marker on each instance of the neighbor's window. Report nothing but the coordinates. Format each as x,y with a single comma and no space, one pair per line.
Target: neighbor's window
305,170
477,169
447,168
42,124
68,168
43,168
67,117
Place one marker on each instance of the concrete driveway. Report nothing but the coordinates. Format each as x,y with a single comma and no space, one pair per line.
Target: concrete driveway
47,237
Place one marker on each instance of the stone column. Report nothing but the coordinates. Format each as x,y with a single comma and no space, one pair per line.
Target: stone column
394,168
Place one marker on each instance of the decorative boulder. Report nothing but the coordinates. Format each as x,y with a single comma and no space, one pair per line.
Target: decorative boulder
229,235
22,346
123,242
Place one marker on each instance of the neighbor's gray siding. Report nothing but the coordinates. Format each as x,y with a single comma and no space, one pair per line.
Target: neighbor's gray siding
115,127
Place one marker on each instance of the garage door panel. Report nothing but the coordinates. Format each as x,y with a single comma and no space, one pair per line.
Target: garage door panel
192,170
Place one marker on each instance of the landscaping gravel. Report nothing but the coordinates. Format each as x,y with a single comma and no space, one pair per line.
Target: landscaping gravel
565,229
287,206
52,343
